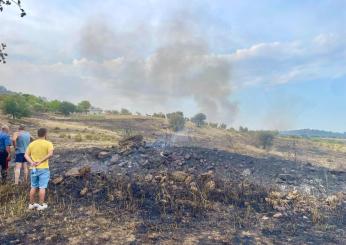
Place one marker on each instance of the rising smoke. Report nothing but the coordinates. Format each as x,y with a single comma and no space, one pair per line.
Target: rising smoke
170,61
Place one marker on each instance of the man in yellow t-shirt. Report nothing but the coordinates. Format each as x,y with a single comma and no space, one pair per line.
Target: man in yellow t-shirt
37,154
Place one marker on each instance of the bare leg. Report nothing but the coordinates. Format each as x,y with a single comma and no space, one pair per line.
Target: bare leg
17,172
42,195
32,195
26,172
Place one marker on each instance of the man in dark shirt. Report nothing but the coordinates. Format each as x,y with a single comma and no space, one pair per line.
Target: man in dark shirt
5,144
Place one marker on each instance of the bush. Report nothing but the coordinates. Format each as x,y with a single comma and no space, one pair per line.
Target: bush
243,129
223,126
67,108
176,121
199,119
213,125
84,106
78,138
125,112
266,139
159,115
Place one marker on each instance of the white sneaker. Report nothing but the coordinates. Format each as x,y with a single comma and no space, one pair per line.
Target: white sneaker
42,207
33,206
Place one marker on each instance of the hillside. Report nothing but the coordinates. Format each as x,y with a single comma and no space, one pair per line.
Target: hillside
198,186
314,133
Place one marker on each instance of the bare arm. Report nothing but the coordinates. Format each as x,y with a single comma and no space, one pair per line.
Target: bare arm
28,158
14,140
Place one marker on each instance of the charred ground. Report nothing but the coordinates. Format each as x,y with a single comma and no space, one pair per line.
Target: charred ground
138,192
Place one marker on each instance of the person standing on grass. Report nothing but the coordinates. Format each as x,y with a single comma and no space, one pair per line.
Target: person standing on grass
5,151
37,154
21,140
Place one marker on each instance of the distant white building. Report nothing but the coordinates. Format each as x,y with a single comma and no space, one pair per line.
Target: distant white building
95,111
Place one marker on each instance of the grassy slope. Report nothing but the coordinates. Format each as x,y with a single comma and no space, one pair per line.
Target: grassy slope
106,130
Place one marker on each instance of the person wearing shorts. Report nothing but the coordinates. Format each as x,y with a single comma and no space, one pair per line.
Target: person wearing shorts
37,154
21,140
5,144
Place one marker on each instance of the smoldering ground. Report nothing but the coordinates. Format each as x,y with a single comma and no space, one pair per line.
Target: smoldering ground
161,64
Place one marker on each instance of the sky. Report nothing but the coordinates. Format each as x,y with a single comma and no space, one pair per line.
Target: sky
266,64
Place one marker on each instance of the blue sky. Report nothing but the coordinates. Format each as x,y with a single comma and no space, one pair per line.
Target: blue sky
267,64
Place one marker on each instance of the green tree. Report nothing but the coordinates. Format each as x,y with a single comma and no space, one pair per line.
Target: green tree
67,108
83,106
125,112
54,106
199,119
16,106
176,121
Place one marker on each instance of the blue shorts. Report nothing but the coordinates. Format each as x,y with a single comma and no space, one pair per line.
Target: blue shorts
40,178
20,158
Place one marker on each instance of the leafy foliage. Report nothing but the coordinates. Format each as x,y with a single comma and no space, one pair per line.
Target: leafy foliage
67,108
83,106
176,121
16,106
199,119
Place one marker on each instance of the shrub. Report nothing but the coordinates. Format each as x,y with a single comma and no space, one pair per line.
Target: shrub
78,138
159,115
266,139
223,126
176,121
243,129
213,125
125,112
199,119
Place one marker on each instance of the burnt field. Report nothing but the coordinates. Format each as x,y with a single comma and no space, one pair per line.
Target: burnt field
138,193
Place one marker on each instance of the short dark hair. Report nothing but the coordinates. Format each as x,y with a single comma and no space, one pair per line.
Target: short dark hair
42,132
21,127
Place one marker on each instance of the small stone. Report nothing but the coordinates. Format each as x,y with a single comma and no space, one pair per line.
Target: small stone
83,191
105,236
84,170
246,172
103,155
73,172
187,156
102,221
265,218
58,180
277,215
115,158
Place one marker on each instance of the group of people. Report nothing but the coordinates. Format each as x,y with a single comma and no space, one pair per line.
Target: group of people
30,154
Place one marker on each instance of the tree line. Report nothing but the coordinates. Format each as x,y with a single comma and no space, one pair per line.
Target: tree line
24,105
